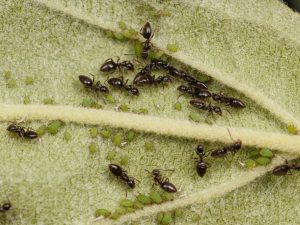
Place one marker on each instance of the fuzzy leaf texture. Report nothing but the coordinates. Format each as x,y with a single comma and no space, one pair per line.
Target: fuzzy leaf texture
251,49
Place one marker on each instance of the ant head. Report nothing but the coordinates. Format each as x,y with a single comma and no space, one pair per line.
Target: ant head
155,172
182,88
218,110
237,144
131,183
200,150
134,91
6,206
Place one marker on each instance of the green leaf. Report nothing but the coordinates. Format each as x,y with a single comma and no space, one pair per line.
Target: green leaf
250,53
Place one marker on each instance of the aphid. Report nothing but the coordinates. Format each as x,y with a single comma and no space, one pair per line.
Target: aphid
5,207
163,182
194,92
109,65
146,32
122,174
22,131
89,83
158,64
233,148
199,104
201,165
283,169
119,83
233,102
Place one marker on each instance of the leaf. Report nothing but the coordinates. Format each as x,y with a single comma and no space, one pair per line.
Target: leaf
55,180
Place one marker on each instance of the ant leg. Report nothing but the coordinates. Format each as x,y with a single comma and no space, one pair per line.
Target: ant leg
92,76
109,59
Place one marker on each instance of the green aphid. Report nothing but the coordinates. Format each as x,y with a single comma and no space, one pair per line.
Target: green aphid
149,146
195,217
126,203
93,148
86,102
177,106
250,164
159,217
145,200
54,126
122,25
106,133
102,212
12,83
292,129
129,210
26,100
143,111
67,136
41,130
266,153
119,36
109,33
111,155
93,132
263,161
254,154
130,136
48,101
138,205
167,218
95,105
155,197
28,80
167,196
194,116
173,47
117,139
7,74
124,160
178,213
138,49
110,99
124,108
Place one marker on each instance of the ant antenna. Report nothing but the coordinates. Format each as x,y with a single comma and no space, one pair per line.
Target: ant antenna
230,134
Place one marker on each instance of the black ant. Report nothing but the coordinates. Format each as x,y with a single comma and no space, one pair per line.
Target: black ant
5,207
122,174
119,83
222,152
283,169
175,72
22,131
89,83
197,84
146,32
201,165
233,102
199,104
159,64
110,65
163,182
194,92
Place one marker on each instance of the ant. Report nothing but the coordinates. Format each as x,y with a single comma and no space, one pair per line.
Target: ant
146,32
119,83
197,84
194,92
5,207
110,65
158,64
233,102
163,182
199,104
175,72
283,169
147,79
201,165
89,83
122,174
22,132
222,152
